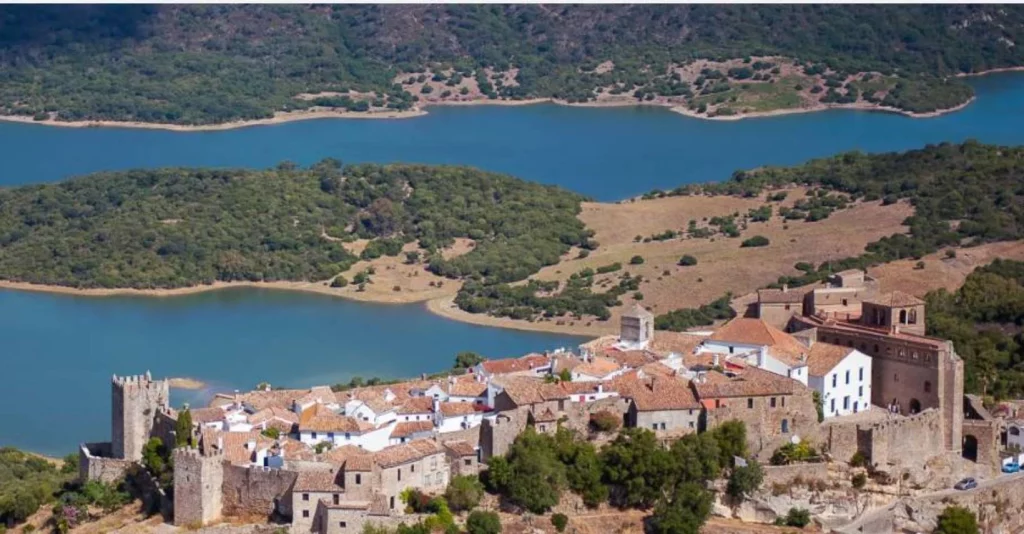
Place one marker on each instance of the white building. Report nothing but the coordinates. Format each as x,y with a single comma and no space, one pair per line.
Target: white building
319,424
761,345
842,376
455,416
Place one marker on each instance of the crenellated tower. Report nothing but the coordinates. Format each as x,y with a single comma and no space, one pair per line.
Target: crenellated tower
198,481
135,401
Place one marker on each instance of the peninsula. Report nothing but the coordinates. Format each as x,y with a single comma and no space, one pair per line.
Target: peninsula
187,67
491,249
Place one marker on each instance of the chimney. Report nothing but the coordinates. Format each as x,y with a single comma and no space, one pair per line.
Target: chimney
437,405
220,443
600,388
714,359
785,288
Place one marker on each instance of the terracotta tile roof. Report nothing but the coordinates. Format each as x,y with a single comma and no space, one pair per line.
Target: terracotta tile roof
234,444
454,409
896,299
408,428
359,463
823,357
317,394
344,453
460,448
567,361
779,296
630,358
824,325
379,405
281,398
467,386
601,343
515,365
522,390
677,342
658,393
406,452
598,367
749,331
318,418
294,449
206,415
271,413
416,405
321,480
753,382
657,369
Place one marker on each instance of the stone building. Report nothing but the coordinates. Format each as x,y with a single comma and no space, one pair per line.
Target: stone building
777,306
636,328
910,372
662,404
198,486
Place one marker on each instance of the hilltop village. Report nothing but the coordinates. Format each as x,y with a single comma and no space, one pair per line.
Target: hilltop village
838,369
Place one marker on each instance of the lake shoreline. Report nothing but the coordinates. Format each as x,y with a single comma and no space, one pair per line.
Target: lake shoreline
422,110
442,306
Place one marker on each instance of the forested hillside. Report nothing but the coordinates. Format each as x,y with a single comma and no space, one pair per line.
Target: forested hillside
984,318
193,64
170,228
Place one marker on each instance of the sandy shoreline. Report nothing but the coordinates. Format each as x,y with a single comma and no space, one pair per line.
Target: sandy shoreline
186,383
442,306
294,116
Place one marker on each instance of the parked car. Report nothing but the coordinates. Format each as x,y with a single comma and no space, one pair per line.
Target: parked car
966,484
1011,467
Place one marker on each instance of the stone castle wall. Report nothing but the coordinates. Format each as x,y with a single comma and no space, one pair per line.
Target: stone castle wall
904,441
786,474
765,423
987,435
256,492
198,487
95,463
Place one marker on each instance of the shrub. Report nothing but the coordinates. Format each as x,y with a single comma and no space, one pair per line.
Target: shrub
756,241
610,268
638,296
605,421
480,522
919,266
798,517
339,281
957,520
950,253
464,493
636,260
560,521
687,261
858,460
859,480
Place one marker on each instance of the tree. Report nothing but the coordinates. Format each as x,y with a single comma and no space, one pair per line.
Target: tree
183,429
636,260
565,375
756,241
732,441
467,359
560,521
464,493
687,261
798,517
697,458
638,465
819,405
582,466
957,520
339,281
536,476
497,475
481,522
686,511
744,480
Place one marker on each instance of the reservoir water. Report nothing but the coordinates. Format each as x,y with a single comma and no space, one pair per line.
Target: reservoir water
59,351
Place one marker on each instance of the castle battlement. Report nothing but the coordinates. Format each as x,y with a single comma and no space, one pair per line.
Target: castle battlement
197,454
136,381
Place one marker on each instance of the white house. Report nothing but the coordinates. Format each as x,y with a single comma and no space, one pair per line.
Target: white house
416,409
454,416
1015,435
761,345
319,424
374,411
842,376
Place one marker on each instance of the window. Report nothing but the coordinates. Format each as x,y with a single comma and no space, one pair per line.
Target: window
305,513
834,378
787,307
467,462
663,426
359,478
654,426
845,302
392,502
913,316
412,468
876,348
860,374
305,496
832,407
561,405
718,403
783,402
846,402
730,350
860,391
927,386
903,316
399,474
691,424
847,376
785,426
772,404
313,435
750,403
330,436
342,524
337,498
348,436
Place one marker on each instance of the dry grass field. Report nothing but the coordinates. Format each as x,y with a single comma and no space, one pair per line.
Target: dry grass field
940,271
723,265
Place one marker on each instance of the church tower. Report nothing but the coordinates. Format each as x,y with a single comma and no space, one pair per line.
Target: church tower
636,329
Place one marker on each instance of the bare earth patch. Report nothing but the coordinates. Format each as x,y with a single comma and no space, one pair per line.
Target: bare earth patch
940,271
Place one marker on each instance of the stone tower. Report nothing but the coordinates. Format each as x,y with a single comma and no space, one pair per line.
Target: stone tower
135,401
895,311
636,329
198,479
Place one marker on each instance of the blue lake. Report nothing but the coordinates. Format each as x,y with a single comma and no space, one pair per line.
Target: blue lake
59,351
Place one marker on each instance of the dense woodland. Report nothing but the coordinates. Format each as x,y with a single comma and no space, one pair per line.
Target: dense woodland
170,228
984,319
197,64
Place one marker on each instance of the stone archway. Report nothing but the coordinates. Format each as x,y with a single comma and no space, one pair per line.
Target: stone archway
970,448
915,406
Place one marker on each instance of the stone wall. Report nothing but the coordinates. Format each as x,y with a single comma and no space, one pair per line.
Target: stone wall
95,463
164,426
198,487
899,441
765,423
778,314
987,436
256,492
135,401
498,434
786,474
